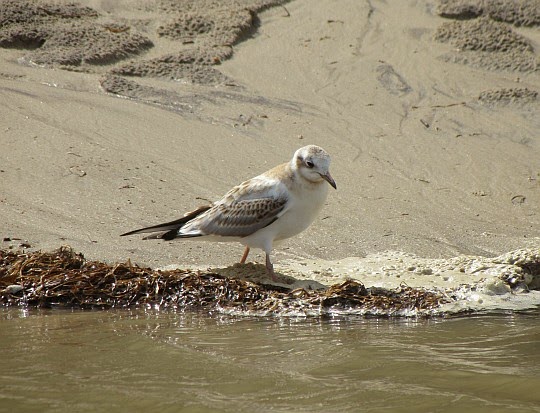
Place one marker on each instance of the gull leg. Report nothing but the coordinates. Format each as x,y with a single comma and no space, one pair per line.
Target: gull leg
244,257
270,268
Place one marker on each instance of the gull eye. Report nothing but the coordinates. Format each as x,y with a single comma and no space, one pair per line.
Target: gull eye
310,164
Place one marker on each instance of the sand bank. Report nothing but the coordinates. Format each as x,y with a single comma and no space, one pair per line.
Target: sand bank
115,117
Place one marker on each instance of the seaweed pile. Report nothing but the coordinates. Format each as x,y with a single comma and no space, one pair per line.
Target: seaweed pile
63,278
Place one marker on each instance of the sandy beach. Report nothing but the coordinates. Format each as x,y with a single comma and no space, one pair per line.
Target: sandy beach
117,116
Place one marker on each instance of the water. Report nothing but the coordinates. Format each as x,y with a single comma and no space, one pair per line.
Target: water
164,361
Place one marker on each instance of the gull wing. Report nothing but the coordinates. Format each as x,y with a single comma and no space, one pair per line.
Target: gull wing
245,209
237,219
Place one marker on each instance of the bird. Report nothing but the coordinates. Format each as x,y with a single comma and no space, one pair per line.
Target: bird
262,211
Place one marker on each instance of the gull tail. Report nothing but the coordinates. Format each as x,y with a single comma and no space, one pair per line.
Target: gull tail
169,230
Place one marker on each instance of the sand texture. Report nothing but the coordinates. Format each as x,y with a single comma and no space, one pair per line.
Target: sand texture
117,115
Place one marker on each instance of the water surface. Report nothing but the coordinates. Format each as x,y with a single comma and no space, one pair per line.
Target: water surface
167,361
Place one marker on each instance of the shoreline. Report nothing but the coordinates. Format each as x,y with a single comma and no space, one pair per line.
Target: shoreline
410,289
435,150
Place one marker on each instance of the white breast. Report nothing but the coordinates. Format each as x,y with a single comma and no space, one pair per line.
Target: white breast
305,205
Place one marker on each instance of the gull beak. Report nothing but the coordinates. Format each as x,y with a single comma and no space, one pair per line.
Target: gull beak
328,178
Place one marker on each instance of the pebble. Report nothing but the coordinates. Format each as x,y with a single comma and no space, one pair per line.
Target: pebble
13,288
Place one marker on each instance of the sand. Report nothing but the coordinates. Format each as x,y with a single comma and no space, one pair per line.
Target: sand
117,115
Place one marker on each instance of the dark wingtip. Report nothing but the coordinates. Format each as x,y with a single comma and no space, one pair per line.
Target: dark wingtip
169,230
169,235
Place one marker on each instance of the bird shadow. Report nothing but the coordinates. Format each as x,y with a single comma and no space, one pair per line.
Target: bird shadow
256,273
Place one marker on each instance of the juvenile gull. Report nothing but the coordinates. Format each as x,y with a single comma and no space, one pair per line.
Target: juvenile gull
262,211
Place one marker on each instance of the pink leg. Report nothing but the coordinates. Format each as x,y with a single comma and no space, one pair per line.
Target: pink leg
270,268
244,257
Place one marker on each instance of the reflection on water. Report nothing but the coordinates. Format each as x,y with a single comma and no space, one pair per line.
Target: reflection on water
136,360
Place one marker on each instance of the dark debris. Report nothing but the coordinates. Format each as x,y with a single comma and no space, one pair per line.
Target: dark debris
63,278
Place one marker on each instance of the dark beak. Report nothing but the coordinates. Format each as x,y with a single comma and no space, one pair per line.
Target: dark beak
328,178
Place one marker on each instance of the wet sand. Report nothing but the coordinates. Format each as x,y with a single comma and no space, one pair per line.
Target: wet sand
116,117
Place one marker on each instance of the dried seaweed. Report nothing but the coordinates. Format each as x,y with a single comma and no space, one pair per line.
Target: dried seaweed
63,278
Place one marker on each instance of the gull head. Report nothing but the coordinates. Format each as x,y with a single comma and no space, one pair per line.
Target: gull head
313,163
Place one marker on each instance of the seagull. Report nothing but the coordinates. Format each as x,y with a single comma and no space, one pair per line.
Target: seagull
262,211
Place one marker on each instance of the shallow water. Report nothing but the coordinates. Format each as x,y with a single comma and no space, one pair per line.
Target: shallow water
148,360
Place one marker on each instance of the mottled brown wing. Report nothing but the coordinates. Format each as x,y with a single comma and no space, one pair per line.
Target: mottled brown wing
239,219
